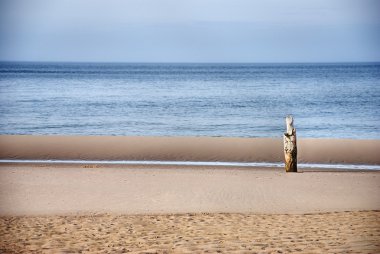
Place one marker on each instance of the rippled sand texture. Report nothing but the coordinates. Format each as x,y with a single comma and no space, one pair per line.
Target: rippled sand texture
343,232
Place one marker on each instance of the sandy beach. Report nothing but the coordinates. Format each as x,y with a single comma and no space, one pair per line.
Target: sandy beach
172,209
343,232
98,208
61,189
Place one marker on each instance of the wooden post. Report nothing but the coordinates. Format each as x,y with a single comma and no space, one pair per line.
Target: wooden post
290,146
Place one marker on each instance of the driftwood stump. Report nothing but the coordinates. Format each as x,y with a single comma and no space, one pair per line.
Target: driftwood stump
290,146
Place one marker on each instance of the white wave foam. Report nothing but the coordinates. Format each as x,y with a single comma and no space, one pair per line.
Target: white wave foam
200,163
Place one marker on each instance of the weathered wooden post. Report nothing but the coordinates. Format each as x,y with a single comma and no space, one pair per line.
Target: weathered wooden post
290,146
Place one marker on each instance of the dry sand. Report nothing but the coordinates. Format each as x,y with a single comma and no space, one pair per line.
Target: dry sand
344,232
142,209
59,189
186,149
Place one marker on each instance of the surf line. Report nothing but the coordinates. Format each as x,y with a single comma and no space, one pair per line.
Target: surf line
199,163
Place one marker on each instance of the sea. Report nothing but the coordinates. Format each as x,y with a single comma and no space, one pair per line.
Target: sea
332,100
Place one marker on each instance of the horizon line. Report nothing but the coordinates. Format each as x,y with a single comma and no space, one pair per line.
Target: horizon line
175,62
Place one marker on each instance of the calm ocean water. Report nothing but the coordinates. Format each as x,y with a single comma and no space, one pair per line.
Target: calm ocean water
245,100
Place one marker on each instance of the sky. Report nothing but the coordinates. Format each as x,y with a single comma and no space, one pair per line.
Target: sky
190,30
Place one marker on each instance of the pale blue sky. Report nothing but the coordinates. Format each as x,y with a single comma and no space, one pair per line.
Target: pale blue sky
190,31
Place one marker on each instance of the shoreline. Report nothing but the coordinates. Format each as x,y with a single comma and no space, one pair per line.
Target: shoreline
251,165
201,149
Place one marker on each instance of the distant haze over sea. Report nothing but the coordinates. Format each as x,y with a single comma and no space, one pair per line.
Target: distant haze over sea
241,100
